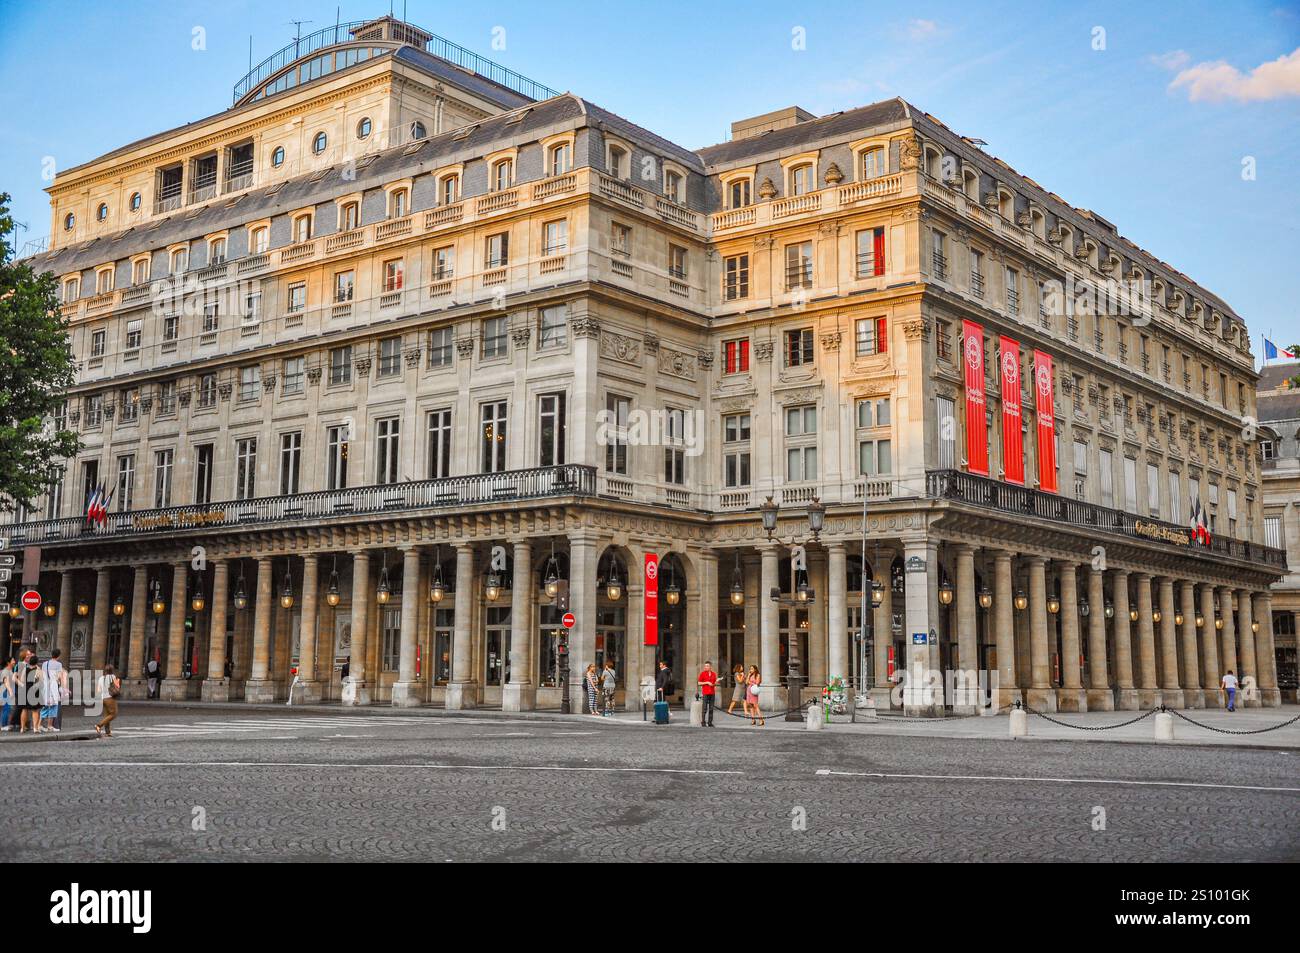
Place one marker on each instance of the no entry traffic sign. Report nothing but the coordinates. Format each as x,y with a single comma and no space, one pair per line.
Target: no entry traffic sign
569,620
31,600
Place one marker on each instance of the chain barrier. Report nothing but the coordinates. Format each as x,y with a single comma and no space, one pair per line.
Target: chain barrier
1066,724
1161,708
1234,731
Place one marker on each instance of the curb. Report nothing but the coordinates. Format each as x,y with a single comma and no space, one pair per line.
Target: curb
28,737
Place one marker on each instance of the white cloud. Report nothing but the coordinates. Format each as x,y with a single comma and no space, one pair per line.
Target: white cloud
1176,59
1219,81
922,29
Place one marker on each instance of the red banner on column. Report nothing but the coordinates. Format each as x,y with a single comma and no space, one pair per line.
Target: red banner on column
977,431
651,599
1046,408
1013,443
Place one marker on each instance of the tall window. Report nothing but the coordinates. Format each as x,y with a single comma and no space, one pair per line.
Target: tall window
390,638
735,356
94,411
297,297
349,217
290,462
498,250
871,336
336,457
798,347
54,496
393,272
259,241
217,251
1175,497
250,383
551,426
875,448
180,260
390,357
946,427
1013,291
674,187
440,347
617,411
502,175
444,262
736,450
341,365
552,331
387,435
439,449
555,237
1106,472
871,252
162,478
977,273
1153,489
674,447
140,271
493,454
125,482
677,262
203,473
494,337
735,277
617,161
98,343
208,390
344,286
873,163
1130,485
560,158
293,375
1273,531
798,265
738,193
620,239
449,190
246,468
134,332
801,443
399,203
302,229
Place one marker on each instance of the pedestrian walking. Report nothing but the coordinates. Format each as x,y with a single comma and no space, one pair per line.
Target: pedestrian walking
739,691
151,671
707,682
1229,683
55,685
6,693
20,688
664,681
32,696
754,682
110,687
589,676
608,683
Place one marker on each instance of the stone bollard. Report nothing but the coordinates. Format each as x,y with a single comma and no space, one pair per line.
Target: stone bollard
697,713
866,709
1019,723
814,720
1164,726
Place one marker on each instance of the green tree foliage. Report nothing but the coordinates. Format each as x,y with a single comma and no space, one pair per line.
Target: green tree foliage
35,372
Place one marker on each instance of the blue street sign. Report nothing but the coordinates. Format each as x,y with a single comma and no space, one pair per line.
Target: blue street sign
919,638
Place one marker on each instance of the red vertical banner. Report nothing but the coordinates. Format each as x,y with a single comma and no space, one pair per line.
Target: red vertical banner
1013,443
1046,408
977,429
651,599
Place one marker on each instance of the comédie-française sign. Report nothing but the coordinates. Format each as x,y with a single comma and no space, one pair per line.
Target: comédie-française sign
1159,531
165,520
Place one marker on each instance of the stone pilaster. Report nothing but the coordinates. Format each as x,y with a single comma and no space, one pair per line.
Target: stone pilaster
1193,697
1229,634
1249,669
1171,692
965,700
175,687
1126,696
1149,687
216,687
1100,697
259,688
1070,696
1211,675
310,688
520,692
1004,628
1041,696
462,691
361,600
770,636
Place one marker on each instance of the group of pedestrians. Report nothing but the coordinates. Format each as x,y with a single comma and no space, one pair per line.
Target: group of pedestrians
33,693
601,683
744,691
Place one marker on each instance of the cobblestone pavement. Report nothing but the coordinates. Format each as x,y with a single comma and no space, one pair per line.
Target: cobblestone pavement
318,786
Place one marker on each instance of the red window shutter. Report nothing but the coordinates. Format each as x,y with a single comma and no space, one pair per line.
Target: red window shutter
727,357
878,252
882,335
744,355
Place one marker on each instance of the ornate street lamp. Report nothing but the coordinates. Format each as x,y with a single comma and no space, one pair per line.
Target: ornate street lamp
1218,622
1254,626
384,592
614,588
816,517
1084,608
332,591
1132,615
241,596
672,594
945,592
1200,621
82,609
769,511
985,597
437,589
1054,603
119,607
286,592
1178,619
737,584
159,604
877,592
1156,615
552,575
1021,600
1110,609
197,603
50,610
492,590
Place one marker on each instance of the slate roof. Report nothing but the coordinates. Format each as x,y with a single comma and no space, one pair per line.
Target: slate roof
876,114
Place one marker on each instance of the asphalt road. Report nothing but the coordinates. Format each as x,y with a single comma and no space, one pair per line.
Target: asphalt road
219,785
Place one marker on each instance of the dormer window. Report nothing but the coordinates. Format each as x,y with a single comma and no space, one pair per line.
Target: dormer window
618,161
349,216
399,203
872,163
559,158
738,193
418,131
449,189
302,229
217,251
673,186
71,289
140,271
180,260
971,184
803,179
259,240
503,174
103,281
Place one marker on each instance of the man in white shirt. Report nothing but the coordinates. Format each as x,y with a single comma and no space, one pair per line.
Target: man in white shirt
1229,683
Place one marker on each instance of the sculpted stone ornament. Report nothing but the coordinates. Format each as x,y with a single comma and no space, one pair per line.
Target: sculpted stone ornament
146,404
621,347
465,347
833,174
706,359
362,365
767,189
413,357
520,336
313,375
915,329
677,363
224,389
585,327
185,398
75,417
831,340
763,351
268,382
651,342
909,154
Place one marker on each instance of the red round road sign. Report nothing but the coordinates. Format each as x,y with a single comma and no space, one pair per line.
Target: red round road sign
569,620
31,600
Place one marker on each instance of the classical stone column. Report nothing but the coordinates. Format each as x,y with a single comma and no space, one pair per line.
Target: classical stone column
1071,696
1004,624
1041,696
706,641
216,687
1265,657
309,685
520,693
769,622
1209,638
1100,697
361,598
461,690
1149,692
99,623
837,621
966,672
923,688
1229,634
406,690
583,557
1171,692
1126,697
882,636
1246,656
63,629
134,684
259,689
175,687
1193,697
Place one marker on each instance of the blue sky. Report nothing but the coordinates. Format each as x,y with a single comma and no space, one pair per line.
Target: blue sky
1139,131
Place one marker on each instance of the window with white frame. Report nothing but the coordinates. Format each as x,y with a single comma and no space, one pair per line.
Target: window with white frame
798,265
211,318
390,357
736,448
444,262
253,306
871,252
799,347
302,229
130,405
438,434
250,383
134,332
399,203
166,398
103,281
293,376
555,237
71,289
493,342
503,175
207,390
345,283
297,297
171,328
873,164
617,411
618,161
803,179
125,482
393,275
735,277
290,462
620,239
139,271
494,425
735,356
94,411
217,251
246,468
449,189
180,260
801,443
1175,496
674,446
738,193
349,216
1273,531
497,248
559,158
551,427
674,186
259,240
440,342
336,457
552,329
341,365
387,449
677,262
98,342
870,336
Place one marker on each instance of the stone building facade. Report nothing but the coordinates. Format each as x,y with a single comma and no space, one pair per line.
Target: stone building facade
1279,417
372,359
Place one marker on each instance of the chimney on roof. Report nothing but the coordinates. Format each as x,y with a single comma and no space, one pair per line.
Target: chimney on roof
780,119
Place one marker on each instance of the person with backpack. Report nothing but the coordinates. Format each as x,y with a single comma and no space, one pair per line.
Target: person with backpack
608,683
110,688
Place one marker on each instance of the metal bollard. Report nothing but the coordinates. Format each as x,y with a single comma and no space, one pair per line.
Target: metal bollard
813,720
1164,726
1019,723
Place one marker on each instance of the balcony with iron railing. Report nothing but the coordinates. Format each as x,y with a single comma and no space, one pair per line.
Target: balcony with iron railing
449,493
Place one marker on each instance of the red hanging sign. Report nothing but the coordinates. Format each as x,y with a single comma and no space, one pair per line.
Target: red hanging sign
977,432
1044,404
1013,444
651,599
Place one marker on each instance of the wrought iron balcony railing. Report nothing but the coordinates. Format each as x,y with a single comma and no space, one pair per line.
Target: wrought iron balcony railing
447,493
1040,505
